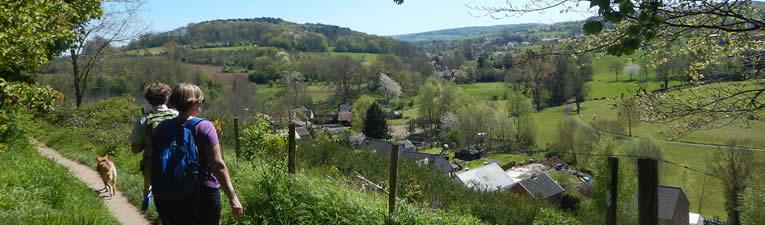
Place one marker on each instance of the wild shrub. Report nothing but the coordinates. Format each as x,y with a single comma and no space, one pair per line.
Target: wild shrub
552,217
422,184
570,202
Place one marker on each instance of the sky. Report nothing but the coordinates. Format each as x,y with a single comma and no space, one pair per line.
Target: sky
379,17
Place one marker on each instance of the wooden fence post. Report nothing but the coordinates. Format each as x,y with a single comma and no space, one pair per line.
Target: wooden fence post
291,157
648,192
612,193
392,183
236,137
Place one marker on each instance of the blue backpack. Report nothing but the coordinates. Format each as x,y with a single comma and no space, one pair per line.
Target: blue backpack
175,167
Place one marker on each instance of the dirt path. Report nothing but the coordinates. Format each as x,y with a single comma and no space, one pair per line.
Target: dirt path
118,205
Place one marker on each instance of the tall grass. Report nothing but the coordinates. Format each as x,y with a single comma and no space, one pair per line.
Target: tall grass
36,190
269,196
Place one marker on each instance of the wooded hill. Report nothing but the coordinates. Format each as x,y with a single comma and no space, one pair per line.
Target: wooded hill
462,32
270,32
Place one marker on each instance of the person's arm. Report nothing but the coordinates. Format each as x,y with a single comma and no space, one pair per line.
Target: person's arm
136,137
219,169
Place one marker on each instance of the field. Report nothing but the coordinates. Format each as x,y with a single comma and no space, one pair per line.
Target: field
602,110
217,74
695,157
146,51
605,85
319,92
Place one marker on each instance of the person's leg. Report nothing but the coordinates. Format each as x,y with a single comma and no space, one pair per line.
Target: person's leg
178,212
209,206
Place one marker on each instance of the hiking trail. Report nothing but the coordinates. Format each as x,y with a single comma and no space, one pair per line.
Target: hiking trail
117,205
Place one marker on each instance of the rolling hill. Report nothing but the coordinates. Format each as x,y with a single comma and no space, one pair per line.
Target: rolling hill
455,33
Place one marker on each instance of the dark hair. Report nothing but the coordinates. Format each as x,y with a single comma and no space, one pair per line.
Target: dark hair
157,93
186,95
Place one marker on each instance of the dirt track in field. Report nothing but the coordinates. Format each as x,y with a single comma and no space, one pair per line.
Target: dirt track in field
217,74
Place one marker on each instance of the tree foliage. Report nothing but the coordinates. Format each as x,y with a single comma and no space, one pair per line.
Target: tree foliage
31,32
359,111
390,88
736,166
628,111
752,203
520,108
375,124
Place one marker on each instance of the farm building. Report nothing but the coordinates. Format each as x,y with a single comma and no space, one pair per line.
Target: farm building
490,177
384,148
673,206
541,185
469,153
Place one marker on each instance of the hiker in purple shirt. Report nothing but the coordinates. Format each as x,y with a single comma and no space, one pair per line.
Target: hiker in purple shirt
204,206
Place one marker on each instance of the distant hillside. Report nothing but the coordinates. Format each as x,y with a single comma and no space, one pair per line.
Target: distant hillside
455,33
269,32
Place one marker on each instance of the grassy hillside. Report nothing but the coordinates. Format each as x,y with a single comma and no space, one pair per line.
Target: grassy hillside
269,196
602,110
36,190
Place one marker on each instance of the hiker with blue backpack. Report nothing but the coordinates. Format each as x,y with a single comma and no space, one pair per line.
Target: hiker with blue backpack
157,95
187,164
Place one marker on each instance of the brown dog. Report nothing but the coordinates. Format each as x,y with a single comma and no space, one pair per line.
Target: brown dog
108,173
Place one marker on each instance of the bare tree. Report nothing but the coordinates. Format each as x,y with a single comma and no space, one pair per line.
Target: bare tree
294,92
346,74
616,66
628,111
539,67
241,100
118,23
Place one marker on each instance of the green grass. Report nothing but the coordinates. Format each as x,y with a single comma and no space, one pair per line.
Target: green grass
409,114
484,91
602,110
503,159
146,51
692,156
231,48
547,125
36,190
605,85
319,92
73,144
369,57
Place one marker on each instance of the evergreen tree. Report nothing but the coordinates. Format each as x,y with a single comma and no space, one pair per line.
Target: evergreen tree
375,125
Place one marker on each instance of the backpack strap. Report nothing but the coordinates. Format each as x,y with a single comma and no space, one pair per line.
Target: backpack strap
190,124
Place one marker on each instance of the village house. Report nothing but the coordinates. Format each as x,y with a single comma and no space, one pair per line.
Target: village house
540,185
490,177
406,151
673,206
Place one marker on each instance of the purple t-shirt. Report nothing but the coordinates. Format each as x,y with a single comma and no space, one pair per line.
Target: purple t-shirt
205,136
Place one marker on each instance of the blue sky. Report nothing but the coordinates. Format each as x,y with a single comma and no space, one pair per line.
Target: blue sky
380,17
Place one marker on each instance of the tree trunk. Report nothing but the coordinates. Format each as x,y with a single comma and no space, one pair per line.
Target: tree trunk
78,92
537,100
